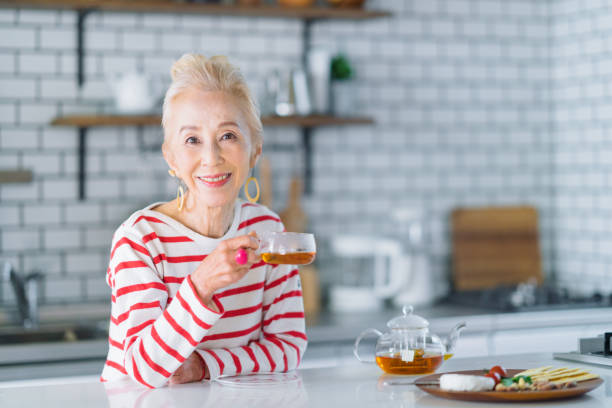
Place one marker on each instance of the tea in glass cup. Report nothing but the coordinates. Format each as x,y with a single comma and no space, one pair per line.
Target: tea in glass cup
291,248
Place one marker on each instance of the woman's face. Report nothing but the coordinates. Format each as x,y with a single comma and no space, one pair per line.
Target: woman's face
209,145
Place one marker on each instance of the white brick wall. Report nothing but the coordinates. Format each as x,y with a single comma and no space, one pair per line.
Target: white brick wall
83,213
97,289
17,37
461,91
15,138
582,114
63,289
62,238
42,214
9,215
26,239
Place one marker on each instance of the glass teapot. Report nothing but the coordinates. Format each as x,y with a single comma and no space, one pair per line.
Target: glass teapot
409,348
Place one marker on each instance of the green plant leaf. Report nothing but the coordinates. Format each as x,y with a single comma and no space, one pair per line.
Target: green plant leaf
341,68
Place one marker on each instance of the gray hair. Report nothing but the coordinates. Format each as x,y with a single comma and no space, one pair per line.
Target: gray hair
213,74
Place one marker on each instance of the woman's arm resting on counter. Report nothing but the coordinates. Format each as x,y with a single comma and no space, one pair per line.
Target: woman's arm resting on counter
148,339
283,340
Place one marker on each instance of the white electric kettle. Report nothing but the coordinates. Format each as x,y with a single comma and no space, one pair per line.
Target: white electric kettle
364,285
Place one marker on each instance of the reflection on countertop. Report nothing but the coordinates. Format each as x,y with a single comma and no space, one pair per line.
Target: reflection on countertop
127,393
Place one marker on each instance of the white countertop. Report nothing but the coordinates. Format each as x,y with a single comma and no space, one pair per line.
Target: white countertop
352,385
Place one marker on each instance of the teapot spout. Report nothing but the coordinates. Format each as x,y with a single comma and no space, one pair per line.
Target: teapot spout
451,341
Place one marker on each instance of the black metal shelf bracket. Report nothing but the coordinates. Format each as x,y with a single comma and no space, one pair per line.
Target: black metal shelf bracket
82,151
80,71
306,131
307,151
81,15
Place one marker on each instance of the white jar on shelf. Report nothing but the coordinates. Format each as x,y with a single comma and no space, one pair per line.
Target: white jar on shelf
343,97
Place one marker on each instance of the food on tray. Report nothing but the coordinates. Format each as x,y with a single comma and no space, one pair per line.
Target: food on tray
533,379
544,379
559,375
462,382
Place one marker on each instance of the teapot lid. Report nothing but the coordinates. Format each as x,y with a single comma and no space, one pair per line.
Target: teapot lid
408,321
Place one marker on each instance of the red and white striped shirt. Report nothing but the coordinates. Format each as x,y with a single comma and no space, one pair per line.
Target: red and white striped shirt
158,320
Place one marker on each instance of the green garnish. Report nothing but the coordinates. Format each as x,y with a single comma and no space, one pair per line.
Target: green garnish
525,378
508,381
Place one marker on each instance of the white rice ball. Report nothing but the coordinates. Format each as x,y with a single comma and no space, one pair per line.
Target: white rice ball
462,382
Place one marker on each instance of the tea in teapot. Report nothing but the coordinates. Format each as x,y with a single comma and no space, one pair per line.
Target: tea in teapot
290,248
421,363
409,348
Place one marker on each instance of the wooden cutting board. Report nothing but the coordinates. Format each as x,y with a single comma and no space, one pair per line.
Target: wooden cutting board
293,216
495,246
295,220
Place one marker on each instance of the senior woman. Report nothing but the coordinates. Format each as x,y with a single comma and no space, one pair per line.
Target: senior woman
190,298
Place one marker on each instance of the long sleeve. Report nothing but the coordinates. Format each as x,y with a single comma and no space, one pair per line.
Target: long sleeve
282,341
150,338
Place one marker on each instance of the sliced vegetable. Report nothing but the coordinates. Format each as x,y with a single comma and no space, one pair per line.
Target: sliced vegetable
494,376
500,370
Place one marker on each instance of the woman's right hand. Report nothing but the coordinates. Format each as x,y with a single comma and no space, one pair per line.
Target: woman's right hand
220,269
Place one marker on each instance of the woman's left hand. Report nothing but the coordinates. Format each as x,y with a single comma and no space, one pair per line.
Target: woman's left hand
191,370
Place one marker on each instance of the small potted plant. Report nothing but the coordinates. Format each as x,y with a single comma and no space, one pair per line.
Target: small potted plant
343,91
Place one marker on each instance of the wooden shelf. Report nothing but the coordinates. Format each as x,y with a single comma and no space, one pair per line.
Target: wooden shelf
306,14
315,120
83,121
170,6
15,176
306,123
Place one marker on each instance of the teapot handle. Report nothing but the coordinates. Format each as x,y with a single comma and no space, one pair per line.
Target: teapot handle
358,340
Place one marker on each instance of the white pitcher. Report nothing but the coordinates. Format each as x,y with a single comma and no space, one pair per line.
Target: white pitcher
133,92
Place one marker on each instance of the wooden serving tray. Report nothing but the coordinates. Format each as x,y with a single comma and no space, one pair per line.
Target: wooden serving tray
424,383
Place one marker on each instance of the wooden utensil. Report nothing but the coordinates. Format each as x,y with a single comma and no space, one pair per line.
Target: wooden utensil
311,293
265,175
494,246
293,216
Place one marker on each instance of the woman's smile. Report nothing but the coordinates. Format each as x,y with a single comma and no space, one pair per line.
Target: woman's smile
215,180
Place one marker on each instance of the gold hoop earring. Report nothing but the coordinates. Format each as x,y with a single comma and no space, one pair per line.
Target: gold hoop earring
246,189
180,197
180,192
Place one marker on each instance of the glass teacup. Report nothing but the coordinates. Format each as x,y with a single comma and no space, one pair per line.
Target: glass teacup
292,248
